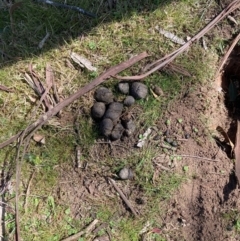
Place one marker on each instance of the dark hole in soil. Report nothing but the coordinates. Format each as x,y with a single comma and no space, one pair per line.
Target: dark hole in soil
231,87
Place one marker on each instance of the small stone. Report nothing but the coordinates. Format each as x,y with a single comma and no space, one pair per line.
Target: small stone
114,111
106,127
174,144
169,140
129,100
139,90
157,90
123,88
98,110
187,136
103,94
157,137
117,132
125,173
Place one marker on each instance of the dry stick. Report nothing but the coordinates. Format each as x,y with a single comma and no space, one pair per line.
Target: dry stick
224,60
199,157
28,191
170,57
107,74
18,170
122,196
87,231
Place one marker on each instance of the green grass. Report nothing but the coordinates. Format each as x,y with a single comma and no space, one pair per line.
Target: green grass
114,36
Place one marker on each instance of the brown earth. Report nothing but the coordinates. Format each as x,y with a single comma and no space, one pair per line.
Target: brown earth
205,206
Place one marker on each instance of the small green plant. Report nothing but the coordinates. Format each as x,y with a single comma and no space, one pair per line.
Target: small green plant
92,45
168,122
195,129
185,168
180,120
237,225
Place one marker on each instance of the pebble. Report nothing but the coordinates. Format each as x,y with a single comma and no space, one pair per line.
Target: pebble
169,140
125,173
174,144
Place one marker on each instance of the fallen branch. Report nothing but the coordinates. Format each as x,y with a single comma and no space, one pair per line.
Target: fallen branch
86,231
122,196
4,88
52,112
170,57
75,8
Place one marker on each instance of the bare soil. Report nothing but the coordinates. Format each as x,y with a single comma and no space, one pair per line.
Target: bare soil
205,205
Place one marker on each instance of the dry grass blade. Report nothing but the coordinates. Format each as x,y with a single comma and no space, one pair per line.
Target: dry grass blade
237,153
170,57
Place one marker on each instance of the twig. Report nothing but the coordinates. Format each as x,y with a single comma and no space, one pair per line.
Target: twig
111,144
199,157
170,57
86,231
162,167
226,56
80,10
28,191
50,113
122,196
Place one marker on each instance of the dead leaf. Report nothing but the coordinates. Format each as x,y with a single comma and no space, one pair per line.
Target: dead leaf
49,76
232,19
144,137
83,62
226,137
39,139
156,230
237,153
170,36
